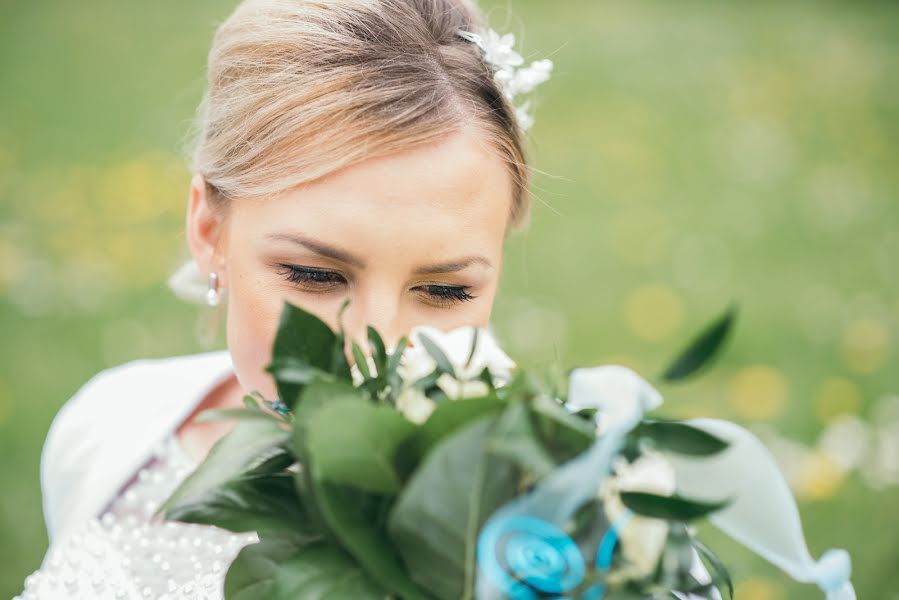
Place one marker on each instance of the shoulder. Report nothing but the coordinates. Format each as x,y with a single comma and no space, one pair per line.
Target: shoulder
127,403
112,390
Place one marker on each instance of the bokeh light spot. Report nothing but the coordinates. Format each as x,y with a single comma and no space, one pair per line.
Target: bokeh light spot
865,345
758,588
654,312
10,264
821,477
837,396
758,392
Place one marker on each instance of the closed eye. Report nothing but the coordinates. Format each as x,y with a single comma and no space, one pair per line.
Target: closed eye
323,280
316,280
446,295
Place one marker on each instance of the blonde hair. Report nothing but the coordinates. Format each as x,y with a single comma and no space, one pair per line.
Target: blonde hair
297,89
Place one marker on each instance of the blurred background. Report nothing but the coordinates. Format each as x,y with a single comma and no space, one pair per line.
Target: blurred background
690,154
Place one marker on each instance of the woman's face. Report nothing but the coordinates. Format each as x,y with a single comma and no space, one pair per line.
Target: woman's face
410,239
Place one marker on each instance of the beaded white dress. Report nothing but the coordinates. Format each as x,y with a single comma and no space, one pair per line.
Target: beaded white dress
126,554
110,459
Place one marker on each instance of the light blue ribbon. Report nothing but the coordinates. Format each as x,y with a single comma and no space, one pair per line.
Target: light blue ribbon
761,514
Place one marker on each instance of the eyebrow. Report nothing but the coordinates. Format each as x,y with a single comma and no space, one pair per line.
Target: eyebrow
333,252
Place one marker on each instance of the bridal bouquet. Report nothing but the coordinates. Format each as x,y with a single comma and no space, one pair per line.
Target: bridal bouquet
438,470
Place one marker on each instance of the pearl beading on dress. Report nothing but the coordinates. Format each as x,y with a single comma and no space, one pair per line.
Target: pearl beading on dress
126,554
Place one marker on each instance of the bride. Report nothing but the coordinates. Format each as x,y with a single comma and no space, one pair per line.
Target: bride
345,149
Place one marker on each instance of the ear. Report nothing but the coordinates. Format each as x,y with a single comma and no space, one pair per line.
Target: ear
205,231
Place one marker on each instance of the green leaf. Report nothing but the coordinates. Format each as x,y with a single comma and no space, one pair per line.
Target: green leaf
322,392
522,386
681,438
355,520
243,414
515,439
355,443
339,364
397,355
271,462
436,519
308,341
324,573
391,376
280,569
265,504
446,419
230,457
252,574
563,434
672,508
677,559
288,370
443,363
474,346
719,570
378,351
702,349
361,362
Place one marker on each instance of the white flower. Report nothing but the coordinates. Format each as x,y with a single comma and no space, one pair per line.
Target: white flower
525,120
357,374
416,363
415,405
499,49
643,538
528,78
456,345
464,388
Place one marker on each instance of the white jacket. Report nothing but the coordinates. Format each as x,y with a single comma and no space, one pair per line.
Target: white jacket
109,428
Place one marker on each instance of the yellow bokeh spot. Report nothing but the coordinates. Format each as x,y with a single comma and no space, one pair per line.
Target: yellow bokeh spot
837,396
142,188
654,312
820,478
758,588
865,345
758,392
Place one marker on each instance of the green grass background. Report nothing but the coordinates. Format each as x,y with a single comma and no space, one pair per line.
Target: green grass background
689,153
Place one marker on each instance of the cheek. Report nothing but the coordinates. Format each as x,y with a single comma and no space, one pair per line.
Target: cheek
251,326
255,300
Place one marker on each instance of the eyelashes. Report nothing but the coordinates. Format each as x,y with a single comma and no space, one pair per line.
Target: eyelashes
311,277
323,281
458,293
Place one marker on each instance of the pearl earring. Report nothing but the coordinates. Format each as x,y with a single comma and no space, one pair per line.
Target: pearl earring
213,294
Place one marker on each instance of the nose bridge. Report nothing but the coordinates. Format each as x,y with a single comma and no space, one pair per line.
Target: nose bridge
376,307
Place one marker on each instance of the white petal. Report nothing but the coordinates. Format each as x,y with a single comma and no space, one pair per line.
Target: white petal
414,405
619,395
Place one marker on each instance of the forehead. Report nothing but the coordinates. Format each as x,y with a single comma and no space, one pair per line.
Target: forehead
457,186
